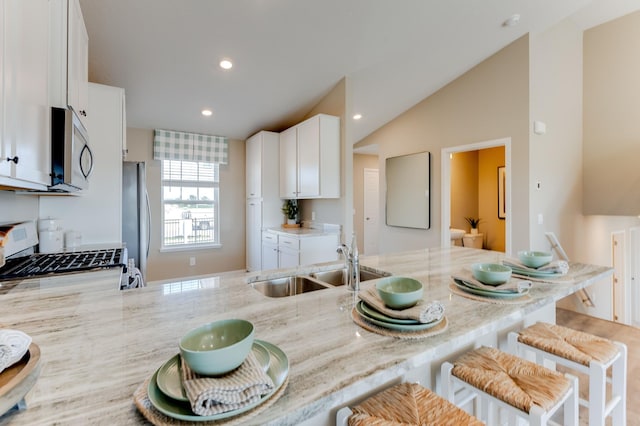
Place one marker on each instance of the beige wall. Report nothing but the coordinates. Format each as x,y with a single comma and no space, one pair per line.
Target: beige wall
18,208
335,210
491,226
489,102
556,156
611,143
464,188
175,264
361,162
611,117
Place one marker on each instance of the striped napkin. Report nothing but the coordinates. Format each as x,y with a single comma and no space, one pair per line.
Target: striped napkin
237,389
13,345
423,312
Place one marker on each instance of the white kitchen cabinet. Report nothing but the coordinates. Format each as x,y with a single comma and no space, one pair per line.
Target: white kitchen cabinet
254,234
262,190
24,89
284,250
269,250
97,212
310,159
289,163
69,62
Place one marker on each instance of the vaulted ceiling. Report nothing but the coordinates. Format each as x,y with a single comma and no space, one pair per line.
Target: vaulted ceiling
288,54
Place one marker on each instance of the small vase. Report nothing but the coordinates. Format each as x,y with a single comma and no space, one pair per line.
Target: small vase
291,221
474,230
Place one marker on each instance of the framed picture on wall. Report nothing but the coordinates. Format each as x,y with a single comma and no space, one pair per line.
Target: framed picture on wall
502,195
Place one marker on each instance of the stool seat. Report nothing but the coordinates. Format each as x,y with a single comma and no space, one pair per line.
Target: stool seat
570,344
519,383
585,353
499,380
408,404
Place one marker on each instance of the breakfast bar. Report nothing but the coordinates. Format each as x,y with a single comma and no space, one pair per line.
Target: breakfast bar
99,345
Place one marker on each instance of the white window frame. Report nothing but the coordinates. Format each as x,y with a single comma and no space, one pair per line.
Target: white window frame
215,204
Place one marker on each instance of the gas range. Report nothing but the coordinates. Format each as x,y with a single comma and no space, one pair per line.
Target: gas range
40,264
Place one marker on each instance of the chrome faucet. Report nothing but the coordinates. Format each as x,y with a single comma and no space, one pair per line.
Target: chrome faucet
352,264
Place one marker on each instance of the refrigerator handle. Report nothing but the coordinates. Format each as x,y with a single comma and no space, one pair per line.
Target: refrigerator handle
146,196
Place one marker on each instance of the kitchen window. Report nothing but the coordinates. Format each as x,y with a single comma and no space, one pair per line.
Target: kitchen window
190,204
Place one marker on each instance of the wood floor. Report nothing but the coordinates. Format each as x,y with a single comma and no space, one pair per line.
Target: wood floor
613,331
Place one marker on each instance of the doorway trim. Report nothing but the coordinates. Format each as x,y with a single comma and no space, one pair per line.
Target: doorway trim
445,215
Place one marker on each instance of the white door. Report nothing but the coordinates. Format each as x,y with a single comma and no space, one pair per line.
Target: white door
309,158
289,163
619,278
254,235
371,209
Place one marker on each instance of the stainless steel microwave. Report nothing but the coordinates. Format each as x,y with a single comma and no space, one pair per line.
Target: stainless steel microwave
71,156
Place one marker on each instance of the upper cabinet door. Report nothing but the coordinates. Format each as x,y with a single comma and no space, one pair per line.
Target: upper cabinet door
288,164
309,158
254,166
25,89
78,62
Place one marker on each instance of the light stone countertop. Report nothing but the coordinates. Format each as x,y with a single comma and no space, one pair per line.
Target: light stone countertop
304,232
99,343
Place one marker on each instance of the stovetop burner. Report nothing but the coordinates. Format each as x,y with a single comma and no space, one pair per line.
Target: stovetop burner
57,263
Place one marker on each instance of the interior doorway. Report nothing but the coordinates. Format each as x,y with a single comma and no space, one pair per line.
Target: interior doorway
371,210
502,183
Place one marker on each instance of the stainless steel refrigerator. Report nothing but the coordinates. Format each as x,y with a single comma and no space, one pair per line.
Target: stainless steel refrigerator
136,214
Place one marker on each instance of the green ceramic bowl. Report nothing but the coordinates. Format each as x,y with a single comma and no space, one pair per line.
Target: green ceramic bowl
218,347
491,273
399,292
534,259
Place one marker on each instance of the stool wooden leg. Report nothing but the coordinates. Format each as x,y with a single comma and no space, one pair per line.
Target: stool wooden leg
571,405
597,393
619,386
342,416
446,384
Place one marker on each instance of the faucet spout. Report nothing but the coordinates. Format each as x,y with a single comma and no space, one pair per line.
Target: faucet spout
352,265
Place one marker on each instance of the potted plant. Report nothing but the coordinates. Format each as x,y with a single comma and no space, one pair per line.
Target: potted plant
290,210
473,222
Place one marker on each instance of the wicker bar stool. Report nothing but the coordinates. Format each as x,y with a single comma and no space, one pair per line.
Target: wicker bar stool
521,388
585,353
406,404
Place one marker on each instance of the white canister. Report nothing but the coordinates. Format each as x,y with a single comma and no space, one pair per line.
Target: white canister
72,239
48,224
51,241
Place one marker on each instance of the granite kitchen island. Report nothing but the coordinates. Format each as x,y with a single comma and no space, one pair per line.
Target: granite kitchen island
98,344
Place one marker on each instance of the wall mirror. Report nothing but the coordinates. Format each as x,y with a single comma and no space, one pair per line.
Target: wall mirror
408,197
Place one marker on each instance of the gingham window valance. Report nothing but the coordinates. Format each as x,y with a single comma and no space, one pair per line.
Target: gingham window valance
182,146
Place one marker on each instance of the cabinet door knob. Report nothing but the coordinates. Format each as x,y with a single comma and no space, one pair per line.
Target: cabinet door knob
14,159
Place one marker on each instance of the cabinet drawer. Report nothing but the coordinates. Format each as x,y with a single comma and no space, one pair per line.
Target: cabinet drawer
290,242
269,237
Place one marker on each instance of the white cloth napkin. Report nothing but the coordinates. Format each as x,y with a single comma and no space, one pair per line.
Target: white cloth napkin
13,345
514,285
557,266
423,312
237,389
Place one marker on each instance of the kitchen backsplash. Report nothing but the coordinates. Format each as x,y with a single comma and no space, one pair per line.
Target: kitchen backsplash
17,208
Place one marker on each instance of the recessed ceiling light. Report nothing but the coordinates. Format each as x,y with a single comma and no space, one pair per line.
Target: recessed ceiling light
226,64
512,21
206,112
357,116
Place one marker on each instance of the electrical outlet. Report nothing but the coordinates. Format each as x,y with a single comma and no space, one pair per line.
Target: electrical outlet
313,215
192,261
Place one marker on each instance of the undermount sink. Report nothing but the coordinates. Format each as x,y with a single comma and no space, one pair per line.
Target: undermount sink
287,286
338,277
